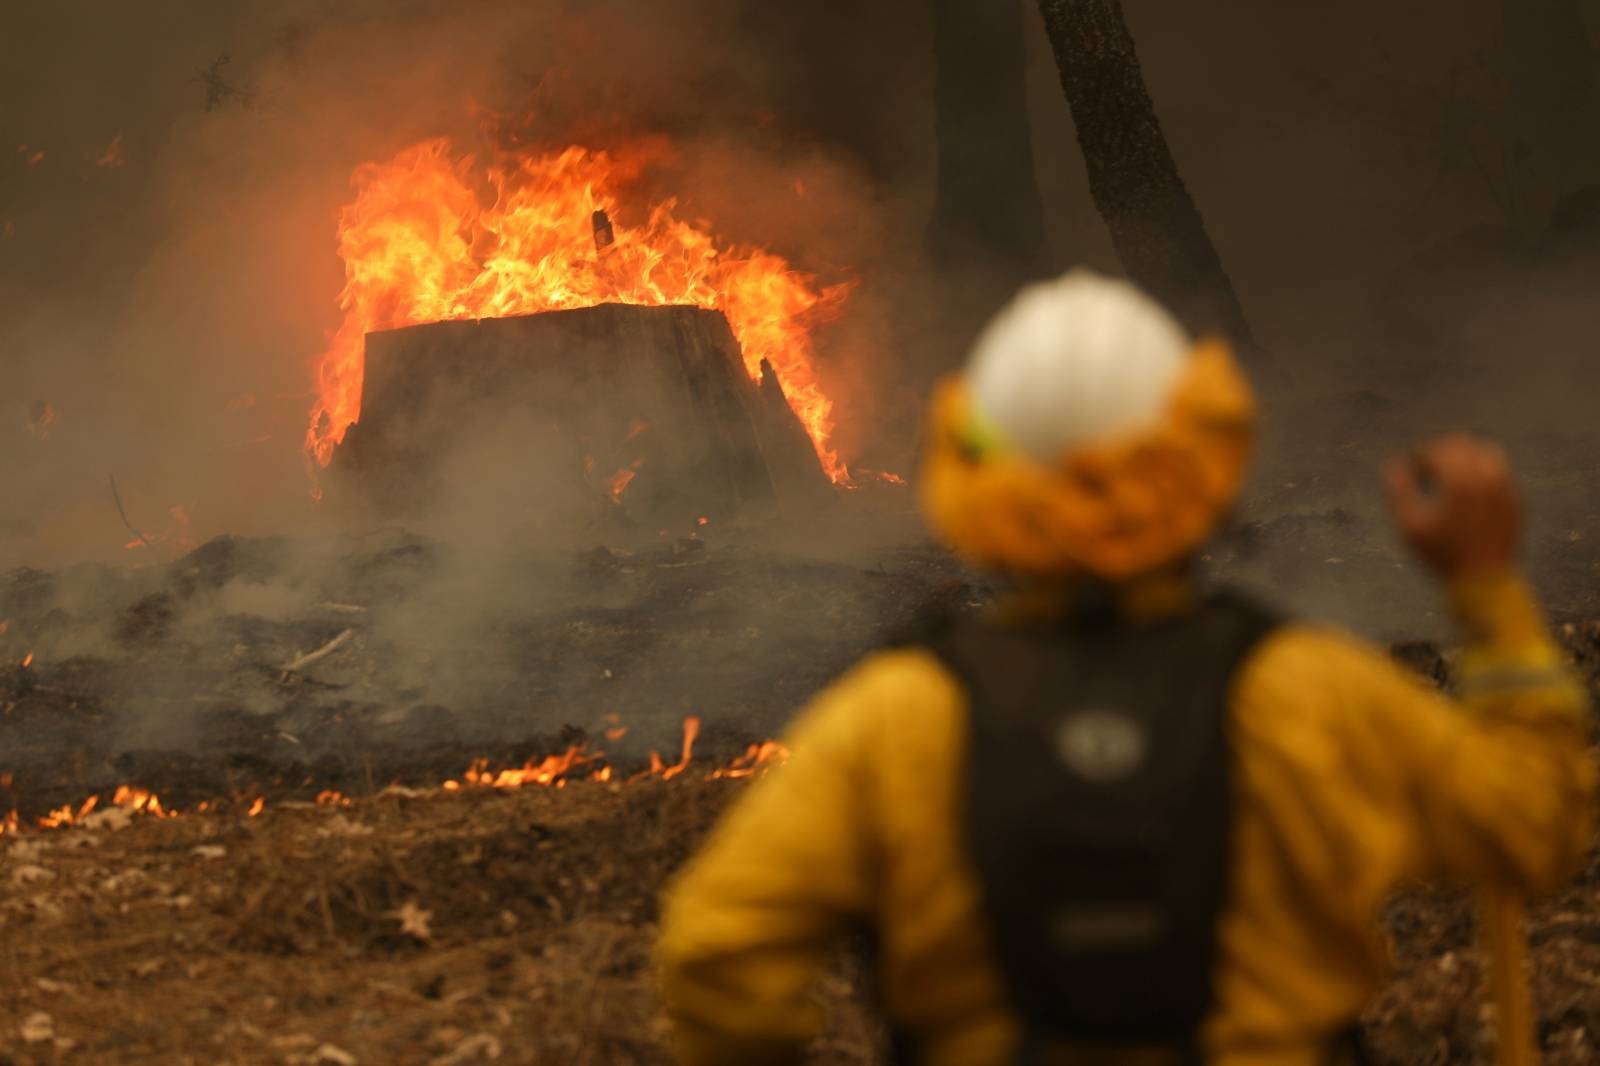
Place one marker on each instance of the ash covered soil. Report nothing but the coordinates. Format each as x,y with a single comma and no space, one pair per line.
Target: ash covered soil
284,667
406,923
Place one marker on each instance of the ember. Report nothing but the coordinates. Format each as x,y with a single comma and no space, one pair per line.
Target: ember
41,416
113,156
623,478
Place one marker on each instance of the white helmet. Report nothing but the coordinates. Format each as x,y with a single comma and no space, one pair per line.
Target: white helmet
1072,360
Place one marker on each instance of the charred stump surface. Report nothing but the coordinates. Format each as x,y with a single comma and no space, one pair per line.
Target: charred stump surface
646,408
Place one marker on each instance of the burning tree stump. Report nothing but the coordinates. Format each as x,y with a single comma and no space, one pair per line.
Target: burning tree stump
644,409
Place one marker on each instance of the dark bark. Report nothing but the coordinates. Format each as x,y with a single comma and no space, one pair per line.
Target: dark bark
987,212
568,400
1155,227
1552,74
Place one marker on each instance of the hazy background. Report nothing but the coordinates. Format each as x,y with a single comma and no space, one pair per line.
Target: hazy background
168,271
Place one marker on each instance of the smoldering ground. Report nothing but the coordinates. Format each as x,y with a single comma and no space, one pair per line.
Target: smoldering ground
345,662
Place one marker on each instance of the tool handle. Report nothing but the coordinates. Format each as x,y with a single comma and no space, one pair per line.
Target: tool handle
1506,951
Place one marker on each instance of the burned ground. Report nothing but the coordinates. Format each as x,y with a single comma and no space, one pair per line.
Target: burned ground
511,926
408,927
404,922
207,678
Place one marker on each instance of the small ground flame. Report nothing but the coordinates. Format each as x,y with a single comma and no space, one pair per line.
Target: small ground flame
112,157
41,417
577,762
623,478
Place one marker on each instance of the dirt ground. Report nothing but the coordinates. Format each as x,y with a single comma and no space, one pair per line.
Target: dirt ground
511,926
440,927
433,926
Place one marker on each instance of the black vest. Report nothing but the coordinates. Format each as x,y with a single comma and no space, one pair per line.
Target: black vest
1099,808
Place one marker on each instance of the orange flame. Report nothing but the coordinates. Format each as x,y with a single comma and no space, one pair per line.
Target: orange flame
138,799
755,757
420,245
67,815
41,416
552,771
691,729
623,478
112,157
173,541
549,770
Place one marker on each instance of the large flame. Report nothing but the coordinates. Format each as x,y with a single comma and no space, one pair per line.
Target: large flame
420,244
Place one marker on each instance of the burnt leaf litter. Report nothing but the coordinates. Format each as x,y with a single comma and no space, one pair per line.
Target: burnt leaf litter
397,922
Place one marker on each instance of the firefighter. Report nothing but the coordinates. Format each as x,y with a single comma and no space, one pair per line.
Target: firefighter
1116,818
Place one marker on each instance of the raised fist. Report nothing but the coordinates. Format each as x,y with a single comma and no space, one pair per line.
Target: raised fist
1456,505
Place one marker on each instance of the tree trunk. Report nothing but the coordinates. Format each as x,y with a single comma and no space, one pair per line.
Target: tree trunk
987,211
1155,227
1551,70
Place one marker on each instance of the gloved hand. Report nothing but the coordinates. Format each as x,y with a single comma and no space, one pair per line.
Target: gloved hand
1457,506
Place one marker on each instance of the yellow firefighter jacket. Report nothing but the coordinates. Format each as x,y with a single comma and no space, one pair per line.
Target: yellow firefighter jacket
1351,778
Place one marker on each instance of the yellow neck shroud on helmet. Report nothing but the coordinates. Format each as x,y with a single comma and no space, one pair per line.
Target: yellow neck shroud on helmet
1113,508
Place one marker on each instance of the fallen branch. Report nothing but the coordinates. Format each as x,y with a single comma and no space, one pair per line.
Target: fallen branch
321,653
117,496
341,608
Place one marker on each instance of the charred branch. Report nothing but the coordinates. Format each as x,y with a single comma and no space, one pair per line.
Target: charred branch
314,657
219,91
122,511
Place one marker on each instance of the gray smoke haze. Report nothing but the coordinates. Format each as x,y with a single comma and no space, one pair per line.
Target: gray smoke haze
168,307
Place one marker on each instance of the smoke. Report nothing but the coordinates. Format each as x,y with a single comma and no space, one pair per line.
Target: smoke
1341,165
164,302
168,276
169,308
